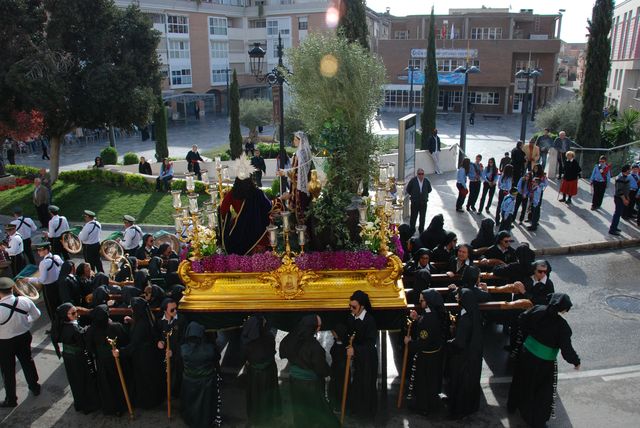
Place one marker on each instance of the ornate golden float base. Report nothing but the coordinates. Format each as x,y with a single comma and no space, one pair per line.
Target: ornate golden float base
290,289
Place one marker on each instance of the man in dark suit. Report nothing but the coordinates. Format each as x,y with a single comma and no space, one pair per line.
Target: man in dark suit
433,145
258,163
418,190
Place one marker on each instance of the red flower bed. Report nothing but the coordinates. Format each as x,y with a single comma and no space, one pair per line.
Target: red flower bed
19,182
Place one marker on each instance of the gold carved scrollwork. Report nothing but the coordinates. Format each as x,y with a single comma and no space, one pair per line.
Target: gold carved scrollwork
190,283
288,280
388,277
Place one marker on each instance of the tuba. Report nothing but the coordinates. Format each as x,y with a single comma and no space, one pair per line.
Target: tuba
112,251
71,242
26,289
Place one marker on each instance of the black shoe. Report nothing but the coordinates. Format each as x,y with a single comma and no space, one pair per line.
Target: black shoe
36,389
473,209
563,200
460,210
593,208
487,209
532,228
6,403
614,232
568,201
468,208
520,221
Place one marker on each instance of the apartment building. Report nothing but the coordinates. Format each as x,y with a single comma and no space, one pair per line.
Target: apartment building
623,85
497,41
202,42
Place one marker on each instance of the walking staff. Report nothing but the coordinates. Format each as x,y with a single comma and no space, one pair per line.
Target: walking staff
168,360
116,356
345,385
405,358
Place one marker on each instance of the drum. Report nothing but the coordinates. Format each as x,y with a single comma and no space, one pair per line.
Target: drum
71,242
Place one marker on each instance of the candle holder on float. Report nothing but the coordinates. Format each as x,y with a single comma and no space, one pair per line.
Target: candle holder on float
389,208
273,231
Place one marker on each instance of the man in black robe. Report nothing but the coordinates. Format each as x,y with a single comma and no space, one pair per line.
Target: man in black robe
176,326
200,401
429,333
533,385
307,369
362,394
262,393
465,361
111,396
417,274
257,162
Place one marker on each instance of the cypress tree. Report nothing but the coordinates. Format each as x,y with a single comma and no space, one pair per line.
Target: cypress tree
160,120
597,69
235,135
430,87
353,22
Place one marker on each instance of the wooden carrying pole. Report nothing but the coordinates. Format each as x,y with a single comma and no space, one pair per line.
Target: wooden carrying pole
345,385
113,344
168,359
405,359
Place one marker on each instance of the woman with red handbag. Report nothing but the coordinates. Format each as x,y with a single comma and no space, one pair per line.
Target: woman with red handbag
461,183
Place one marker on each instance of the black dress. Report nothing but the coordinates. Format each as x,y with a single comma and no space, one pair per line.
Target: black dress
536,291
148,373
363,389
465,361
263,393
111,396
307,367
428,336
70,290
533,384
178,328
200,401
80,369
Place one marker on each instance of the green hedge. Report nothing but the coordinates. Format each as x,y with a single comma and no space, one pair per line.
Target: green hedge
109,156
177,184
22,171
270,151
99,175
130,158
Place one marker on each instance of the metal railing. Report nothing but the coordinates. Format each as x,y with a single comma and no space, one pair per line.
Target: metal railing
616,155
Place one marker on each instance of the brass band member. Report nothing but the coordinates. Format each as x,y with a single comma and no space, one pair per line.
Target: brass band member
49,269
15,249
132,238
25,227
57,226
90,238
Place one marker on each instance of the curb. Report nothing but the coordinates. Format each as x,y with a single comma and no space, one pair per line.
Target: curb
588,247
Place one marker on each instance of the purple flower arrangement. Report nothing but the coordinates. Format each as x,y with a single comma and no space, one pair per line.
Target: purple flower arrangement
261,262
341,260
266,262
397,245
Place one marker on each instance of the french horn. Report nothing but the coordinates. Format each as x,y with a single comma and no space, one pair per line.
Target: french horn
26,289
112,251
71,242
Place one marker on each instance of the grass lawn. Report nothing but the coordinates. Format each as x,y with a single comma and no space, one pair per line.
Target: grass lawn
109,203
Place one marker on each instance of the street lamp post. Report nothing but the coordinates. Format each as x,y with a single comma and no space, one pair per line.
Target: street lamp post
465,95
526,74
275,77
411,69
534,98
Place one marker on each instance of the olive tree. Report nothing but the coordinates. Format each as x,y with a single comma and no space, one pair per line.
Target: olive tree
255,113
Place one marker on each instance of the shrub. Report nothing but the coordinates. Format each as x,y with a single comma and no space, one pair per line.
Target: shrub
177,184
130,158
270,151
130,181
22,171
109,156
562,116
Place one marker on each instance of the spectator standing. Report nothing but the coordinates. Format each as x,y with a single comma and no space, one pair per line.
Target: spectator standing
461,183
506,160
569,185
523,186
261,168
475,178
41,202
163,182
144,167
97,163
518,161
45,148
562,144
600,176
544,143
532,153
634,182
11,152
489,179
620,198
505,183
433,146
507,210
193,159
418,190
535,194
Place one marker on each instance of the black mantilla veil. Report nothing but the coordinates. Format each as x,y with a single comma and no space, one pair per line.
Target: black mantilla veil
470,277
304,331
59,321
141,311
253,328
559,302
434,300
362,298
65,270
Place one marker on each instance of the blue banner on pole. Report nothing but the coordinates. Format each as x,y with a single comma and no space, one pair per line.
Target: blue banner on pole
444,79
